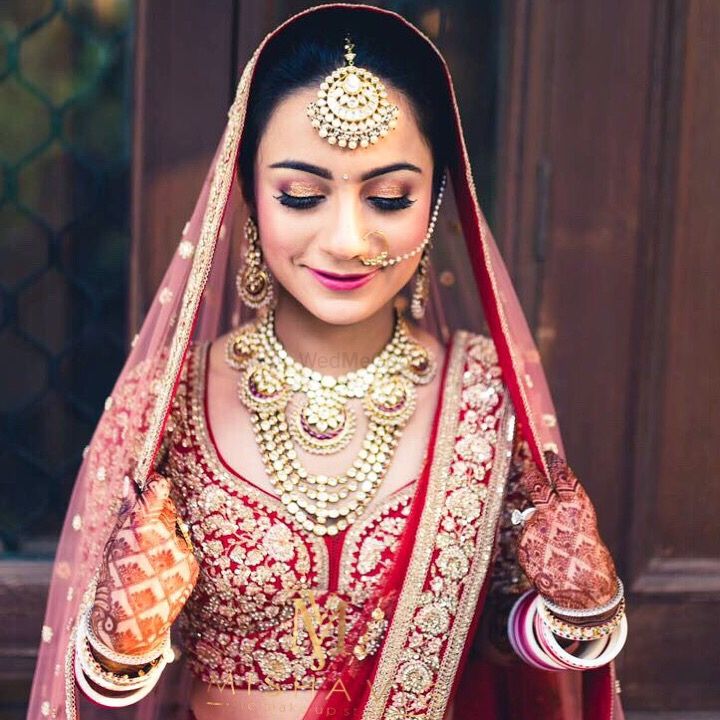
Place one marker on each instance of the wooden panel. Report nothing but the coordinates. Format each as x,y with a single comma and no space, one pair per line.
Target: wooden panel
686,578
611,159
676,546
672,661
183,87
574,246
688,495
594,149
23,590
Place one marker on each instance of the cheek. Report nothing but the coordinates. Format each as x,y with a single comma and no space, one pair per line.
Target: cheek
281,237
406,231
409,236
415,230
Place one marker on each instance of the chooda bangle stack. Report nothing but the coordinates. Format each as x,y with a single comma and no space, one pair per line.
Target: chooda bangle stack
124,688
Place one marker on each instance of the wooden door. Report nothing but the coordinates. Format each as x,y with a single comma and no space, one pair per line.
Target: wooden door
609,215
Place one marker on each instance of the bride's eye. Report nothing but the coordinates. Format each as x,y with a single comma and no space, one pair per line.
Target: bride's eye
299,202
391,203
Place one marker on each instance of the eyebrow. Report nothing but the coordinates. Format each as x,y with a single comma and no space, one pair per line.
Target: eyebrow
327,175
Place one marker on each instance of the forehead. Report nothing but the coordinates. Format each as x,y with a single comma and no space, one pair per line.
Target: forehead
289,134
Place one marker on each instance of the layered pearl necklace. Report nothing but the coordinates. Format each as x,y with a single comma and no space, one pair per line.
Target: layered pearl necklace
323,423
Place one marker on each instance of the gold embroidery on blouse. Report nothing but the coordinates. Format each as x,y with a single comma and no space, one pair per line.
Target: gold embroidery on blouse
228,480
362,551
250,586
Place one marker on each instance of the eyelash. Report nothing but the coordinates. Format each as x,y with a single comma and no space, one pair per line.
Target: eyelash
384,204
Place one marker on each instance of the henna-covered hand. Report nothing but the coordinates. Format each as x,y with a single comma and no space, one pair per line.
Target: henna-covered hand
559,548
147,576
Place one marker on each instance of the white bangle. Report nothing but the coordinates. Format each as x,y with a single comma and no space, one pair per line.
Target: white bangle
589,650
588,662
115,700
522,636
107,679
531,640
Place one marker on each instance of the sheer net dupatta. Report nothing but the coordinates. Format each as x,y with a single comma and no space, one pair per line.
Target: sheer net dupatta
191,302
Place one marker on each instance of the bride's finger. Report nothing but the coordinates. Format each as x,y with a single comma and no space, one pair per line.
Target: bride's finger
168,514
563,478
152,500
128,500
536,487
183,533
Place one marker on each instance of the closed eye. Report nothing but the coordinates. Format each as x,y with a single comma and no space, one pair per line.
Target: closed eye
391,203
306,202
299,202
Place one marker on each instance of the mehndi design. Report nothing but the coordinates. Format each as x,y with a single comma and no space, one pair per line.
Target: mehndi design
148,575
560,549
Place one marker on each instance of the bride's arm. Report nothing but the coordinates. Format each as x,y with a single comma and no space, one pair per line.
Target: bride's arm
148,572
147,569
555,598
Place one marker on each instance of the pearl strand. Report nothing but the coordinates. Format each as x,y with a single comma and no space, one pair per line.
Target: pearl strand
428,234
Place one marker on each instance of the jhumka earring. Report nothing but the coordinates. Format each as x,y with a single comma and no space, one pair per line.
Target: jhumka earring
421,289
253,281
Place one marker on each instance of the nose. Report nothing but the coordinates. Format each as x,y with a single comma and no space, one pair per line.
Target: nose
343,239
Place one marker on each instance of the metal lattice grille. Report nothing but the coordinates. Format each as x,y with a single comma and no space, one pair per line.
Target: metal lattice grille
65,85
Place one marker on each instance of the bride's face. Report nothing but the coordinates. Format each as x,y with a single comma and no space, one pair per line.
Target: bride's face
320,206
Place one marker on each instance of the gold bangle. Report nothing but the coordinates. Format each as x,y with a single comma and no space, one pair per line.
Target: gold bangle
567,630
107,678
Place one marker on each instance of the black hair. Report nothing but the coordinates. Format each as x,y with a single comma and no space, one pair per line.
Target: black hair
302,54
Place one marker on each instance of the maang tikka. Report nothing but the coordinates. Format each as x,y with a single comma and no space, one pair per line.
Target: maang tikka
253,281
352,109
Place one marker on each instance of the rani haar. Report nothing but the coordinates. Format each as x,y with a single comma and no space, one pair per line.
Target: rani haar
323,423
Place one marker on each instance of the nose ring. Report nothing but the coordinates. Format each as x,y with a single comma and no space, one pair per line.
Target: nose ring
377,242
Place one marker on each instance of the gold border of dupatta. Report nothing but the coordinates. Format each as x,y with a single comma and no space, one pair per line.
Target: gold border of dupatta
392,660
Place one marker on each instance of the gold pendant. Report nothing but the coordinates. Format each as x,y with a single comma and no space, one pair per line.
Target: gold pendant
322,426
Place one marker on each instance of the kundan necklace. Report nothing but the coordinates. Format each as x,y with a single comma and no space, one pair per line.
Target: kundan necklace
323,423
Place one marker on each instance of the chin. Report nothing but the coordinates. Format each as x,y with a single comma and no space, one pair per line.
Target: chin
339,311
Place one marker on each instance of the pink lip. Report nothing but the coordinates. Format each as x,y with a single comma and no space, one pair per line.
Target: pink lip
342,282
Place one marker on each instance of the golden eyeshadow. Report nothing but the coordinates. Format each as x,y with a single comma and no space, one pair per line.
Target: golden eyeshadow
301,189
389,190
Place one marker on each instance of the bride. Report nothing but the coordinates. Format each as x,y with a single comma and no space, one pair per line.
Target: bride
317,490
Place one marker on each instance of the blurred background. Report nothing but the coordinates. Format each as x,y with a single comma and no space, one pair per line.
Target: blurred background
594,131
